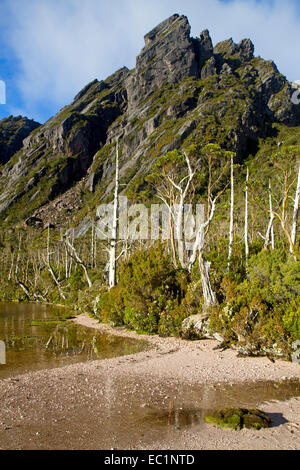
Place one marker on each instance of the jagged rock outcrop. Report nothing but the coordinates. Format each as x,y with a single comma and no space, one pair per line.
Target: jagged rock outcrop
183,90
203,48
234,54
209,69
13,130
168,57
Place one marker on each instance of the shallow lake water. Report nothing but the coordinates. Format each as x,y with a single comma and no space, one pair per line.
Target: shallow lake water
191,404
36,338
114,411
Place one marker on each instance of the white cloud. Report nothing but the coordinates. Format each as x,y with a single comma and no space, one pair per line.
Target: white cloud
62,45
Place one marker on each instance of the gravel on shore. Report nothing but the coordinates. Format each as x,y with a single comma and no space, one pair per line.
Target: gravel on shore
136,402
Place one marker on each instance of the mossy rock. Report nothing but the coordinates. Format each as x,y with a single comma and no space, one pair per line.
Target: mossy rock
239,418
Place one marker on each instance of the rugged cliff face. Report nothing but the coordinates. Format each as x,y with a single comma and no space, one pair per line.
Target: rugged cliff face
182,90
13,130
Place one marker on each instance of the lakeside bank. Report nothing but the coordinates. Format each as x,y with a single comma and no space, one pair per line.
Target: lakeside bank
155,399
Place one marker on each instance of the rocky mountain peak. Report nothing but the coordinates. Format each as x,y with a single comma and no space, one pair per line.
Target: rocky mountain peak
183,90
171,55
203,47
159,29
206,45
168,57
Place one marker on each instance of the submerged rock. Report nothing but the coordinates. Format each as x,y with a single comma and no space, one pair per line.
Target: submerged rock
239,418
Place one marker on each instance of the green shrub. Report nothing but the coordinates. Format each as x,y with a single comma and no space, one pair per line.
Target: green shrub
171,319
148,287
263,312
291,318
89,298
76,280
110,307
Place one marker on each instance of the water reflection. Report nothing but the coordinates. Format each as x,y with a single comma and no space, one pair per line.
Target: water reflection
178,412
36,338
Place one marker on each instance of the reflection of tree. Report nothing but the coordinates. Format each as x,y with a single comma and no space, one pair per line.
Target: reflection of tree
40,330
65,340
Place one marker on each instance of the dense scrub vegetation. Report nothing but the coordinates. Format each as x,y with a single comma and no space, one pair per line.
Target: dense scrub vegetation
244,277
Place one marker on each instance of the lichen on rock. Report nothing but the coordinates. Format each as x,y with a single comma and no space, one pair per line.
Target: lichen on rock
239,418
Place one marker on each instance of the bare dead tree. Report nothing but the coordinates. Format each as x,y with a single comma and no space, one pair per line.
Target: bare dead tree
114,234
204,267
93,251
212,154
231,212
279,194
270,229
75,256
11,267
18,255
183,189
47,262
172,189
246,219
296,210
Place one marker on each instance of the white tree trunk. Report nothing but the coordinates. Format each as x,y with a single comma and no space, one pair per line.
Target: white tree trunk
48,244
295,214
66,264
208,293
179,232
49,267
11,267
231,214
93,246
179,212
246,219
270,229
113,241
71,259
18,257
200,237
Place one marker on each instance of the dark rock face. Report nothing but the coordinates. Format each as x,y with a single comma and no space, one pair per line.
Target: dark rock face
209,69
203,48
13,130
81,128
182,90
168,57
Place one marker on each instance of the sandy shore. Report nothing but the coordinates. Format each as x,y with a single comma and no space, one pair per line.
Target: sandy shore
197,361
153,400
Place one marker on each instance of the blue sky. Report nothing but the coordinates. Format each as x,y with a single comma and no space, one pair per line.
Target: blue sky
50,49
